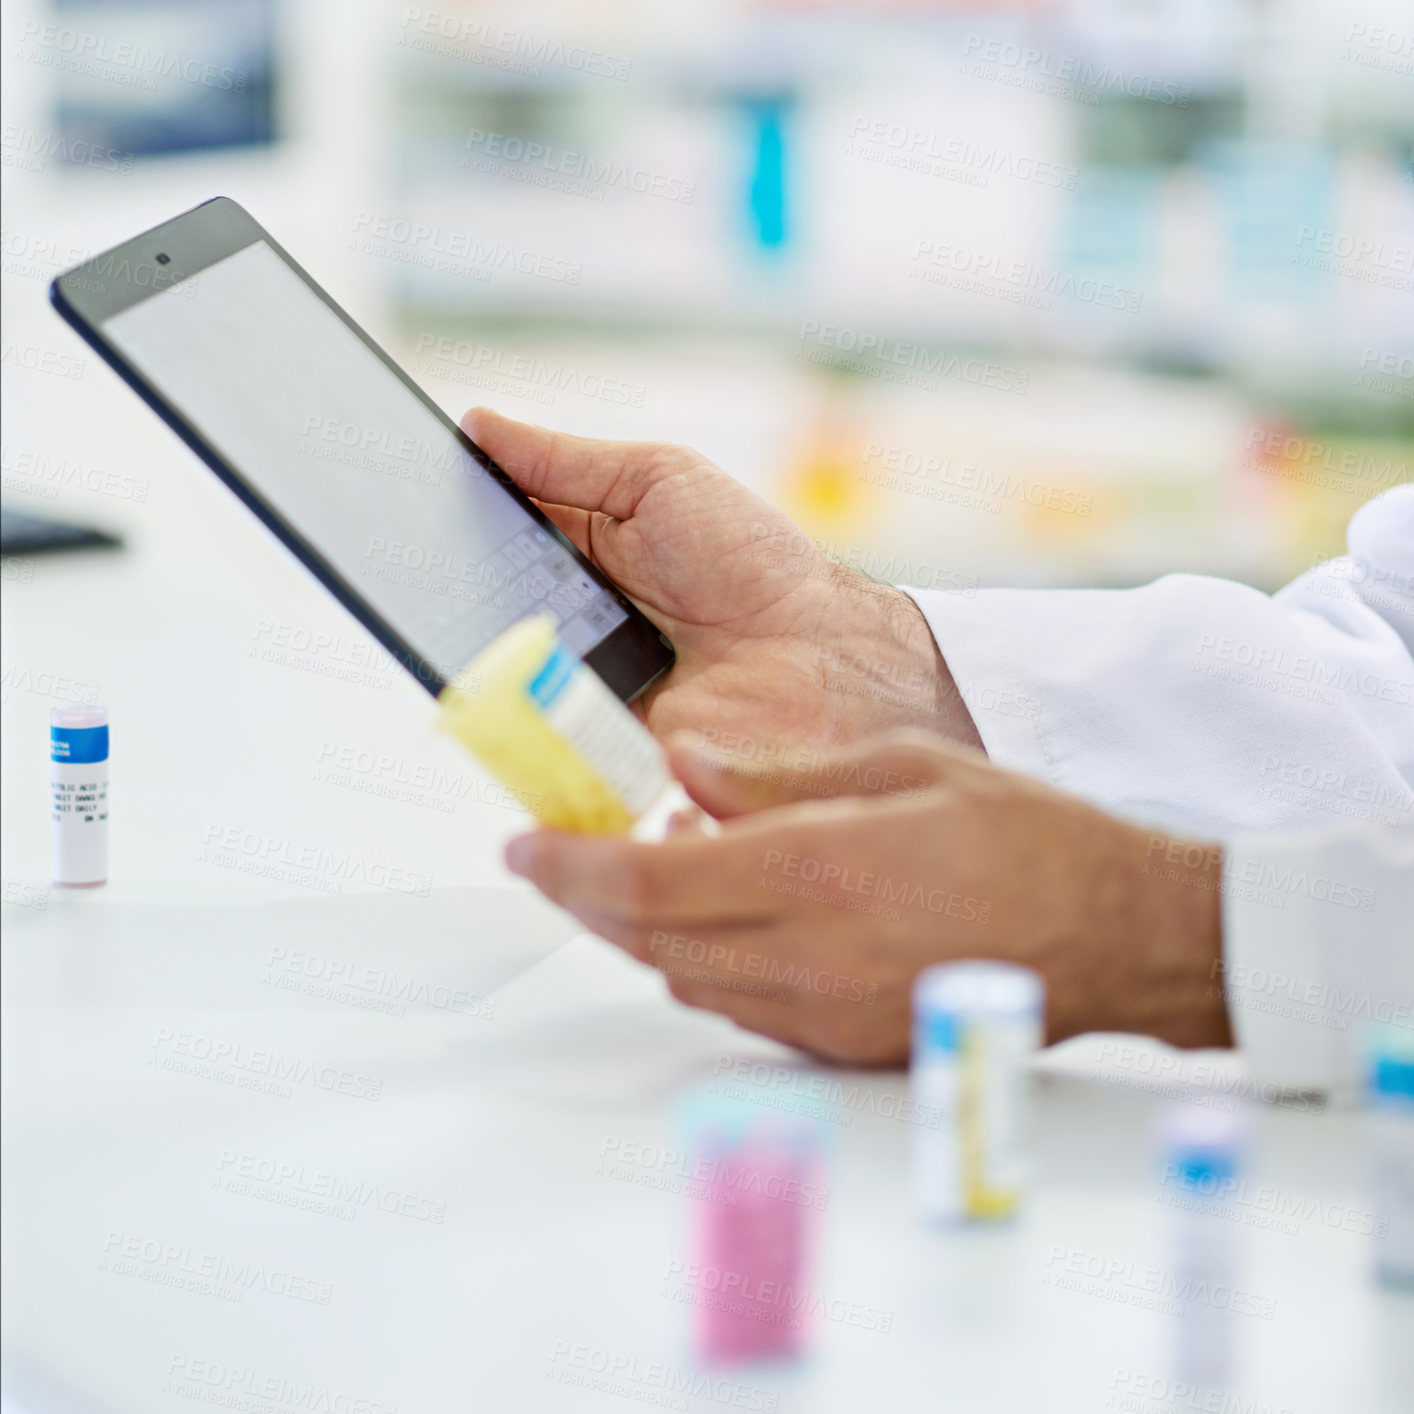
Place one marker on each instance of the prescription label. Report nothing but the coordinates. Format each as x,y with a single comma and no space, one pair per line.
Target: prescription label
550,729
78,789
581,709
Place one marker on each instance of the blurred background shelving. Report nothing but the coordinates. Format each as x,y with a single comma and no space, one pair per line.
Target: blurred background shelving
1185,227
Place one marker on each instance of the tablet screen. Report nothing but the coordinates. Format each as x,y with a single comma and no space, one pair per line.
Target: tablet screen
347,455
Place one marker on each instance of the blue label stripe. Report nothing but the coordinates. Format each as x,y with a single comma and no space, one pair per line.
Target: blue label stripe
940,1030
78,744
549,682
1195,1169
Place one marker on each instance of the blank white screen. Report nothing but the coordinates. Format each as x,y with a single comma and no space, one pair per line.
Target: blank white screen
320,428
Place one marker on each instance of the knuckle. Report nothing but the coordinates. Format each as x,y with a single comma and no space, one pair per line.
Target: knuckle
649,462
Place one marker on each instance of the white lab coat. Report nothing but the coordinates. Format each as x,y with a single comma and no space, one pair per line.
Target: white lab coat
1267,723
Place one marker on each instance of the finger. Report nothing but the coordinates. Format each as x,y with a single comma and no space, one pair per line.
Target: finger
766,1011
838,1032
723,956
724,973
568,471
640,941
901,764
766,981
689,879
725,788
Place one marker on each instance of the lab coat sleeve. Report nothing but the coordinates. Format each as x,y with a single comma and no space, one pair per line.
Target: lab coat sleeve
1318,946
1203,705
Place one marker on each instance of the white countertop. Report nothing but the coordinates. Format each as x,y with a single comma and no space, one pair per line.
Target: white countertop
524,1145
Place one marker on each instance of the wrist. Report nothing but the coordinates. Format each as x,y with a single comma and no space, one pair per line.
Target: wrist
881,666
1167,942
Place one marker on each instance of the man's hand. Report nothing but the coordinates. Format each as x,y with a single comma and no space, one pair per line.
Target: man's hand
775,642
827,891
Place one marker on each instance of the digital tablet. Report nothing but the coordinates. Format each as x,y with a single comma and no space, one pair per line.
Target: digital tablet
416,531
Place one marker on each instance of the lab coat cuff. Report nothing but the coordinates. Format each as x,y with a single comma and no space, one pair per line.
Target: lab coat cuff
970,628
1290,1019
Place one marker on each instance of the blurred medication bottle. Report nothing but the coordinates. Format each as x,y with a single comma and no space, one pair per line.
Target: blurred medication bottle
976,1026
1391,1093
757,1193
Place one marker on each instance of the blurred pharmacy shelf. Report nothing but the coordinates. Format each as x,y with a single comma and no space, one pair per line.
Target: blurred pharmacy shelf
831,245
944,172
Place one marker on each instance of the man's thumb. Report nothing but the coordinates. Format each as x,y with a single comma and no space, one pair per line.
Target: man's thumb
564,470
902,764
724,787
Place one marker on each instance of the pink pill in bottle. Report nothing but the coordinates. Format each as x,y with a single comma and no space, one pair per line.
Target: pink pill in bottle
757,1193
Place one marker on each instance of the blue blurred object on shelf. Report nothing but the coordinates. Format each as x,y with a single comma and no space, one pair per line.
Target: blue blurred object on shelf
768,190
